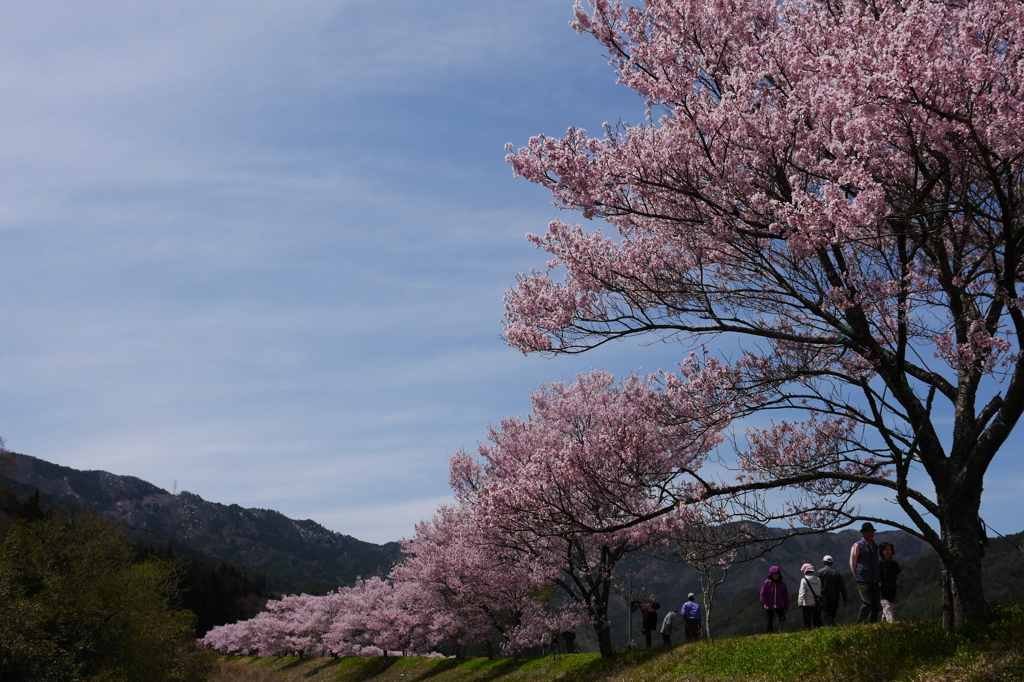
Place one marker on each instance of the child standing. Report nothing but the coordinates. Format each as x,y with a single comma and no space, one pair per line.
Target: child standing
890,571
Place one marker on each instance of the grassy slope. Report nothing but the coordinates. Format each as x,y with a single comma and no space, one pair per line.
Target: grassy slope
904,651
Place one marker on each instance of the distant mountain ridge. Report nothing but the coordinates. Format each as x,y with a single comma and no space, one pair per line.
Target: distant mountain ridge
296,555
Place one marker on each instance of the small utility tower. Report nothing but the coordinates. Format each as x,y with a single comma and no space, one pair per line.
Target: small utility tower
175,487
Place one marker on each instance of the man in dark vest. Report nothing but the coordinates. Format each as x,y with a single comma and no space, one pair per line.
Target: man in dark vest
867,575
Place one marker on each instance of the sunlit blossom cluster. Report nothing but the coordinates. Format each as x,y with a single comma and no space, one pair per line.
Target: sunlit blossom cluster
790,131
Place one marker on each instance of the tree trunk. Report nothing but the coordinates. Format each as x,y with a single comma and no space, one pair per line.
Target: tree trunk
963,598
604,637
947,601
601,625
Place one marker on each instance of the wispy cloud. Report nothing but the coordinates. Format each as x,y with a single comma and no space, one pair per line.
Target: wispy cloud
261,247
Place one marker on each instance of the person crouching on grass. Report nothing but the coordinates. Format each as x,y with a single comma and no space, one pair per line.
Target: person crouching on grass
691,618
775,598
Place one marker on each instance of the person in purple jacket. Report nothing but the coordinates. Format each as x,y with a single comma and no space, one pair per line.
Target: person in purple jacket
775,598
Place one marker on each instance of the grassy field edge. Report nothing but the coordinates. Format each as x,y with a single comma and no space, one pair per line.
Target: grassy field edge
913,650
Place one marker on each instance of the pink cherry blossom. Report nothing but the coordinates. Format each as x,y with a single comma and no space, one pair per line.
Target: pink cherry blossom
835,187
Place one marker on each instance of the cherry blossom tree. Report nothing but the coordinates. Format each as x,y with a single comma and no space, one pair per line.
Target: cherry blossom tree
292,625
470,585
572,489
833,188
364,615
237,639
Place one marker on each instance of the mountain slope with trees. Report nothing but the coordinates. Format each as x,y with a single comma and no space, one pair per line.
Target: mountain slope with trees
285,555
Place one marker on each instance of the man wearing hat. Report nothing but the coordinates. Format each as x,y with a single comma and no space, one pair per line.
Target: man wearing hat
833,587
867,574
691,617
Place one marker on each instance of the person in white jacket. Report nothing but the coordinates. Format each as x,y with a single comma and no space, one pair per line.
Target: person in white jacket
809,599
666,627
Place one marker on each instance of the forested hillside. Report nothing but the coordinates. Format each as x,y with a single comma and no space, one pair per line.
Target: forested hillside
284,554
78,602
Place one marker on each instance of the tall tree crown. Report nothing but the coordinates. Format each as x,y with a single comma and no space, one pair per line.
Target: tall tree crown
834,184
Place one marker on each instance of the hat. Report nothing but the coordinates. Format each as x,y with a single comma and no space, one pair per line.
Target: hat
807,568
691,596
867,527
774,569
827,559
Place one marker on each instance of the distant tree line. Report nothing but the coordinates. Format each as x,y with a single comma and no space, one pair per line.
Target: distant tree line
215,594
76,605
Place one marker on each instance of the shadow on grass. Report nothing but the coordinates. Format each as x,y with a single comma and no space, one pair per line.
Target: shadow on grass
369,668
575,667
480,670
328,663
623,661
437,668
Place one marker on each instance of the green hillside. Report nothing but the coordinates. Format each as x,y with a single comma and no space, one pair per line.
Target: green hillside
285,555
902,651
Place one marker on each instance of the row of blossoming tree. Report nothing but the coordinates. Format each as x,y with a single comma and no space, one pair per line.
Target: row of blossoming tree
832,189
544,512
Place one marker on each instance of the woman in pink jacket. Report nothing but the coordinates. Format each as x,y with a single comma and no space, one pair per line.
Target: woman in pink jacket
775,598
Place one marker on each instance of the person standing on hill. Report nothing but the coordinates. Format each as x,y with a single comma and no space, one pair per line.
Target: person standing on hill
890,573
666,627
833,587
864,562
809,598
775,598
650,622
691,618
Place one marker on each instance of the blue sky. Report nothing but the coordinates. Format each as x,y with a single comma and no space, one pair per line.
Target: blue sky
260,248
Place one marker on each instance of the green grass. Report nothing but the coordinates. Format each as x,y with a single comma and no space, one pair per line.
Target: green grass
890,653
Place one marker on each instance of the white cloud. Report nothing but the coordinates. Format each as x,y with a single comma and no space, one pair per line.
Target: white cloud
261,247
